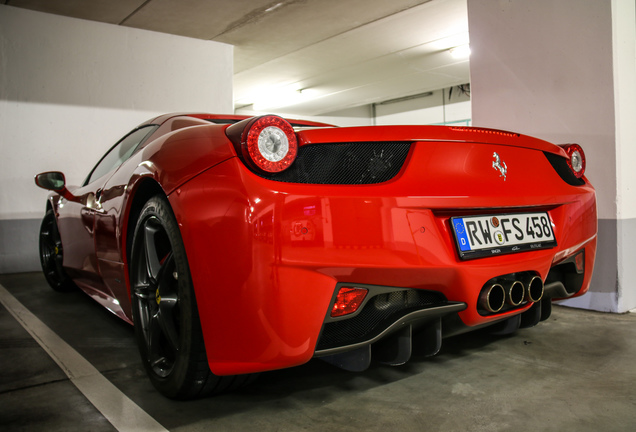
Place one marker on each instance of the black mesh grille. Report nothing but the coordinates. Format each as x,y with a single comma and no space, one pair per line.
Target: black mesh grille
379,312
560,165
348,163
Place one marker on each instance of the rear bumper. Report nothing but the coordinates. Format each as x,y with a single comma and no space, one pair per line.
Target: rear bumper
267,257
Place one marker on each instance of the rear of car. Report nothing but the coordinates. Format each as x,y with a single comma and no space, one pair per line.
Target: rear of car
371,241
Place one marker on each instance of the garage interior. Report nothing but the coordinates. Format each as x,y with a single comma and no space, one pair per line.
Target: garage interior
75,76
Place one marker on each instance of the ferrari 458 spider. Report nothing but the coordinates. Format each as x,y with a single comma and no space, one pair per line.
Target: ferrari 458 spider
239,245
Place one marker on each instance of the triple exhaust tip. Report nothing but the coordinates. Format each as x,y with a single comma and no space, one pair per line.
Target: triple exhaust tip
503,291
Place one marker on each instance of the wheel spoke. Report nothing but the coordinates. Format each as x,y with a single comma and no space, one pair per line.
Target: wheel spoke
168,299
143,306
153,340
153,263
58,255
164,275
144,291
159,365
146,318
49,244
46,237
169,331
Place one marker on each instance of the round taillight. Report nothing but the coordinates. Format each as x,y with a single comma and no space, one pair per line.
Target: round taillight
576,159
270,144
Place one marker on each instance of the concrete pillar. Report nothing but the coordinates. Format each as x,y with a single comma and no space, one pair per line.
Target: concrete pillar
565,71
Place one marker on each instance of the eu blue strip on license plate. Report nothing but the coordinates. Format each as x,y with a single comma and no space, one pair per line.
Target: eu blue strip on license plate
481,236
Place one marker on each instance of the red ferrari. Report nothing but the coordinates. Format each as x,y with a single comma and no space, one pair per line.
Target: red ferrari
238,245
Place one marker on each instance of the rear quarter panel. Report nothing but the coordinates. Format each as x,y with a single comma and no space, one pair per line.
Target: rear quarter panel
169,161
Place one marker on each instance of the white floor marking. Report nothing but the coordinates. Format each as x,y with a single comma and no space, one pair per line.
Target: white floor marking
119,410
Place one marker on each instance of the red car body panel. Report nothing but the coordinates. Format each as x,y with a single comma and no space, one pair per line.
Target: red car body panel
266,256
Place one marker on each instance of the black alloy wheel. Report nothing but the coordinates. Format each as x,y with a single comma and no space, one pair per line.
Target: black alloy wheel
165,313
156,288
52,255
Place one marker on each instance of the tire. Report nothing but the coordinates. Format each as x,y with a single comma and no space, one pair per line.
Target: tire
52,255
165,314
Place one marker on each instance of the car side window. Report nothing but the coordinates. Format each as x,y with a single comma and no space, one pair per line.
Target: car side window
120,152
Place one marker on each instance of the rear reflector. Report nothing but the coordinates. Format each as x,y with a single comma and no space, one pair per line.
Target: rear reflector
348,301
579,260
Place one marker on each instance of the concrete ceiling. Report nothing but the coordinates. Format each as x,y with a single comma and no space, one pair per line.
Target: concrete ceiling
310,57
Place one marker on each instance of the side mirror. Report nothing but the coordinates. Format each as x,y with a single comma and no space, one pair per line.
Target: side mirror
54,181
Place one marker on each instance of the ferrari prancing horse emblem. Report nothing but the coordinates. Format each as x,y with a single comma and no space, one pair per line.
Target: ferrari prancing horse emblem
500,165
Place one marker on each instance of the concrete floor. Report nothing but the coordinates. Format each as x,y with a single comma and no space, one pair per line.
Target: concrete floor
574,372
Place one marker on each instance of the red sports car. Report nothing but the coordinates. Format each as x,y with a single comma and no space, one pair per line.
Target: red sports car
238,245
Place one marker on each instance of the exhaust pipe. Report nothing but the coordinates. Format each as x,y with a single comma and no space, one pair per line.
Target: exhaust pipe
534,288
515,292
492,297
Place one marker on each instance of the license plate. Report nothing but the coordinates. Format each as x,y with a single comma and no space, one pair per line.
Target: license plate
481,236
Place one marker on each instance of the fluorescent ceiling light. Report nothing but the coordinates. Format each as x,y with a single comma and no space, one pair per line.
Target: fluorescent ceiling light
460,52
454,40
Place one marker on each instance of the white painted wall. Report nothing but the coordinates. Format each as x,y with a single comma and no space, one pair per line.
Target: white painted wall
564,71
70,88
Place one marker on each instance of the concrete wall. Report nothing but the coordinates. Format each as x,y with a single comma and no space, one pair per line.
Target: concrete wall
553,69
70,88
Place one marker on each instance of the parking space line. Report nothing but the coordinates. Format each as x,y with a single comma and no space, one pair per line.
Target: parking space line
119,409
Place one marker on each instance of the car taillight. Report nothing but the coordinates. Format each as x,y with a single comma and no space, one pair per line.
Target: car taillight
348,301
576,159
269,144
